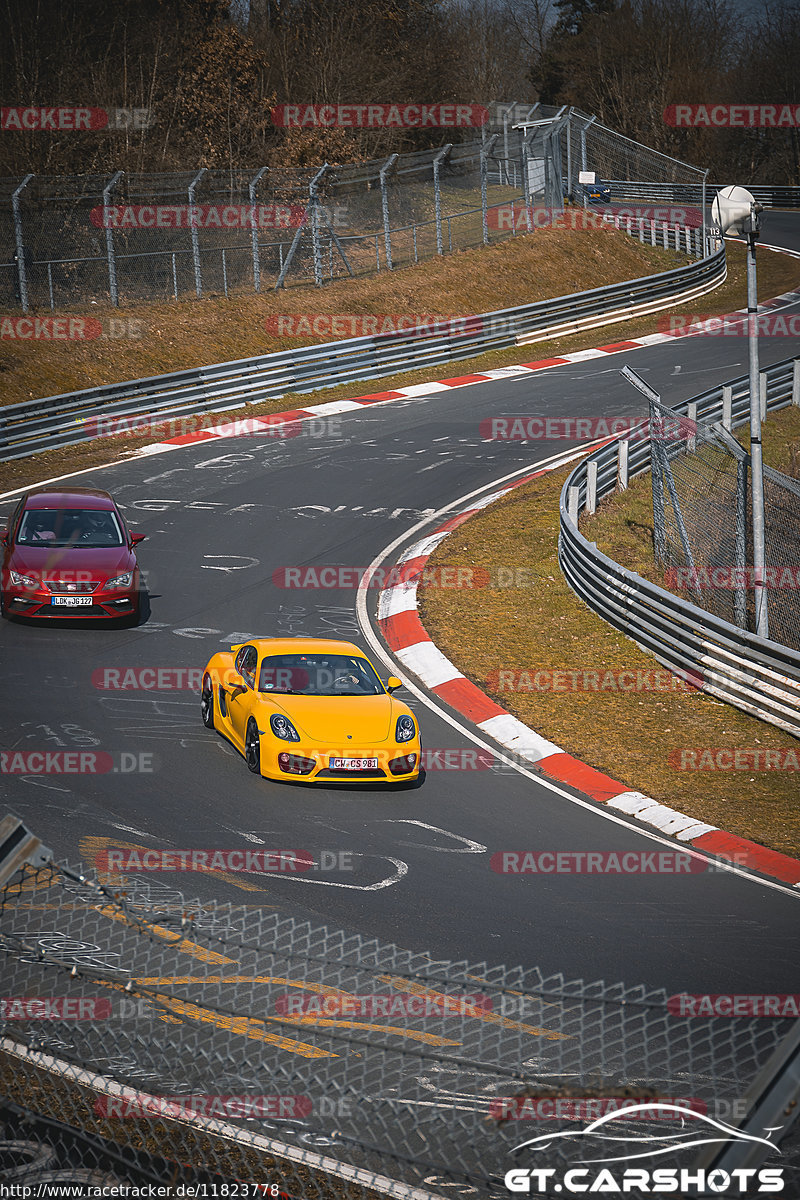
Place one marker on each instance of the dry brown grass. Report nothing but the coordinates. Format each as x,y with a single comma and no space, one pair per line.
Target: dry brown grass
544,627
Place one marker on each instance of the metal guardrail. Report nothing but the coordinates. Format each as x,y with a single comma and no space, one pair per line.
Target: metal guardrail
691,193
55,421
759,677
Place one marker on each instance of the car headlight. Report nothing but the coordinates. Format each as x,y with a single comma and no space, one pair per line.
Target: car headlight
22,580
283,728
120,581
404,729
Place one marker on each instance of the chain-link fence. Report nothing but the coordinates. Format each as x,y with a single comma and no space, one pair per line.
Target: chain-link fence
126,238
152,1036
702,524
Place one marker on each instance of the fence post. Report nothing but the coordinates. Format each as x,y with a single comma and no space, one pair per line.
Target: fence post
591,486
569,154
727,407
224,274
691,437
112,262
251,189
316,248
622,464
703,206
387,233
437,195
584,158
198,278
22,273
740,594
174,275
796,381
659,520
486,150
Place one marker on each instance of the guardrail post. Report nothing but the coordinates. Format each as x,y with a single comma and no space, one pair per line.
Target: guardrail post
622,465
691,440
251,191
641,230
437,194
652,233
591,486
727,407
22,274
485,152
763,386
198,279
387,232
796,381
665,234
572,505
112,262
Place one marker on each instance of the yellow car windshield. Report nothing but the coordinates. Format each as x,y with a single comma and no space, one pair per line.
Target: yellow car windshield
318,675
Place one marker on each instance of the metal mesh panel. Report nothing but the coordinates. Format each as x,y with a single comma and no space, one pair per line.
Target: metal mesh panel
702,523
221,1042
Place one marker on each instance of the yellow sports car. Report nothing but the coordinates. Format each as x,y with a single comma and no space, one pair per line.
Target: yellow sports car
311,709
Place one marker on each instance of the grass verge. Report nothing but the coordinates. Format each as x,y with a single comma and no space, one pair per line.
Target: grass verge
543,627
551,262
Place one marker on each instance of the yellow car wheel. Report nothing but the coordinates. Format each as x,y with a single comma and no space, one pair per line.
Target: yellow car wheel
252,748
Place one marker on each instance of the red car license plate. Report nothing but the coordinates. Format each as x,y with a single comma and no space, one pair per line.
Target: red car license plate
70,601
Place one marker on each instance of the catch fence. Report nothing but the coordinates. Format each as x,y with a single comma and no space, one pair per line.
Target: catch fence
702,524
156,1037
127,238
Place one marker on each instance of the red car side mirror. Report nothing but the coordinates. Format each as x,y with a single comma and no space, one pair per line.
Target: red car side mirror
137,537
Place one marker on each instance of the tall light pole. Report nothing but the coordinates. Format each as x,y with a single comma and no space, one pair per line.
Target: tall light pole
736,211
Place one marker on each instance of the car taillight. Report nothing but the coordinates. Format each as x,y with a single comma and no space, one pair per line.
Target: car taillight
293,764
402,766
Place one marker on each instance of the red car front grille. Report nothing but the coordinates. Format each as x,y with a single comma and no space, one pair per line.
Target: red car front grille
69,588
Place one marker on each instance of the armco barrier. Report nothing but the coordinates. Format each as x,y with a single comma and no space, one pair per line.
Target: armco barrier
643,192
758,676
47,424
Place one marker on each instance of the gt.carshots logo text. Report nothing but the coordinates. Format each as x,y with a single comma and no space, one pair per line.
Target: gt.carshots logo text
694,1127
379,116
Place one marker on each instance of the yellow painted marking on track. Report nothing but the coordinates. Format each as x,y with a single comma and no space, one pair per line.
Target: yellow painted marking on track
481,1014
249,1027
184,945
90,847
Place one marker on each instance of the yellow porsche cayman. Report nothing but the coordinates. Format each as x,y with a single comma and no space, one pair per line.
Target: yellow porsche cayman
310,709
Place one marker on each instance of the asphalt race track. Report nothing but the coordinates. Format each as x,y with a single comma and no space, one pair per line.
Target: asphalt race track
220,518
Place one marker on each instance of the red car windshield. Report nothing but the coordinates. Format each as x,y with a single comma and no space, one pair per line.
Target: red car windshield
86,527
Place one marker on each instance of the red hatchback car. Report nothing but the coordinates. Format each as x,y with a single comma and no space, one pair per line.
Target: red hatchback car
69,553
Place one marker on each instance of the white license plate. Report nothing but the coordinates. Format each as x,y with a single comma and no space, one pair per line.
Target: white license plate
70,601
353,764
